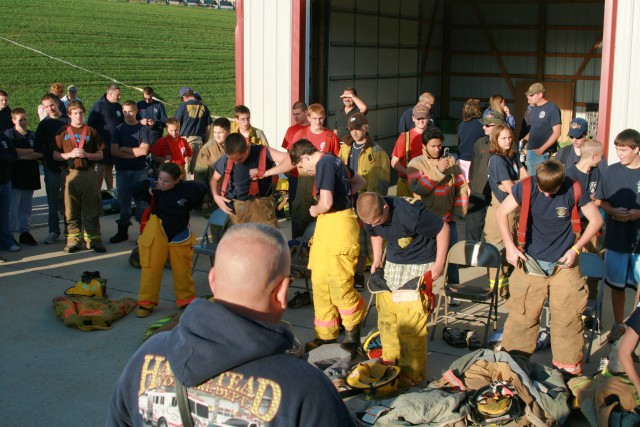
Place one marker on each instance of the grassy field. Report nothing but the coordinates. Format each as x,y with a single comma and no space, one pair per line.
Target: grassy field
138,44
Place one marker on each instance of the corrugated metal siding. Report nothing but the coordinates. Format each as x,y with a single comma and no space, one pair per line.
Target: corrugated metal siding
625,109
374,47
524,40
267,64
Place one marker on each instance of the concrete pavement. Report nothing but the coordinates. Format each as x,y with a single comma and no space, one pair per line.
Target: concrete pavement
56,375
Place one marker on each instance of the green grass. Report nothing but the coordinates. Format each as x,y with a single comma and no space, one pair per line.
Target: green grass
138,44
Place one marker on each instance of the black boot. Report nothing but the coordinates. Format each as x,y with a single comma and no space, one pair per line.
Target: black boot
351,341
122,235
312,345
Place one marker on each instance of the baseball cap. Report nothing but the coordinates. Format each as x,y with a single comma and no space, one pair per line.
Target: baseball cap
420,111
72,88
535,88
578,127
492,118
184,90
357,120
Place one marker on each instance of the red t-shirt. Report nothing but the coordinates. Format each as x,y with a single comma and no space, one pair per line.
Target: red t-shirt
291,132
415,148
325,142
177,148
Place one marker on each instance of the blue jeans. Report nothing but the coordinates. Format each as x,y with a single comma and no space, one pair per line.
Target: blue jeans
6,238
534,160
21,206
452,271
124,180
54,199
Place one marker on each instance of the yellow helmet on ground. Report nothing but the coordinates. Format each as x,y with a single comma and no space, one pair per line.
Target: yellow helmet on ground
374,378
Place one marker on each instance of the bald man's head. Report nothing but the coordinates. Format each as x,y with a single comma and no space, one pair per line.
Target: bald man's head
251,262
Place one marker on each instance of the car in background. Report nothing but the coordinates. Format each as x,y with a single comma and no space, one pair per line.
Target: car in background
226,4
210,3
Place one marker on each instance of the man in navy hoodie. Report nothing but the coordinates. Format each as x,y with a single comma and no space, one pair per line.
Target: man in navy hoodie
104,116
231,354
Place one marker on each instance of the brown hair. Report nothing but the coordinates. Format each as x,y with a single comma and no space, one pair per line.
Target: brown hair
494,102
235,143
130,104
240,109
494,147
550,175
302,147
471,110
75,104
173,121
300,105
18,112
57,89
628,138
370,206
172,169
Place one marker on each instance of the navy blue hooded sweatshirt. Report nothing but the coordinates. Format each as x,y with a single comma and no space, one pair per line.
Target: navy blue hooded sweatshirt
237,373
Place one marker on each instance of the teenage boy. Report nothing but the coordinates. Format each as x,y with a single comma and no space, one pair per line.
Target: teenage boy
245,158
129,146
151,113
351,105
439,182
619,197
172,148
7,157
46,135
408,146
416,241
104,116
578,133
5,113
81,147
242,125
25,176
551,243
335,248
207,157
480,194
301,120
325,141
371,162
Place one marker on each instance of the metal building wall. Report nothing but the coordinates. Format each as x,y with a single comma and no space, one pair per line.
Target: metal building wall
267,65
625,108
376,46
490,39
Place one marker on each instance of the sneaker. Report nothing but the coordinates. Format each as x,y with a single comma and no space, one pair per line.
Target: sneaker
453,302
14,248
97,247
299,299
51,238
71,249
312,345
454,337
544,339
617,331
143,311
27,239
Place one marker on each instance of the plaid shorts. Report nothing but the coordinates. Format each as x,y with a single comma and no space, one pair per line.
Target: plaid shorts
397,275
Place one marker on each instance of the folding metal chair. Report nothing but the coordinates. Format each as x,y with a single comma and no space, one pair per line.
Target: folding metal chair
298,259
592,266
209,242
472,254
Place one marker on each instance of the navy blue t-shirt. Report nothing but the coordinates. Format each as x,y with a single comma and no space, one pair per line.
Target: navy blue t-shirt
549,232
130,136
468,133
240,179
543,119
332,175
410,232
46,136
502,168
621,188
194,118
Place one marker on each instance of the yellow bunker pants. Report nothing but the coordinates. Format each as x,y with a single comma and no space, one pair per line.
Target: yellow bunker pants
332,261
492,235
567,292
154,250
403,333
